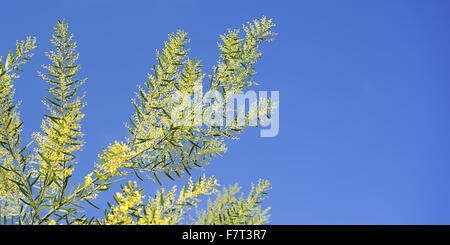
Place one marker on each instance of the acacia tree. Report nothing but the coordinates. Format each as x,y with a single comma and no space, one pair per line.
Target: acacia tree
36,180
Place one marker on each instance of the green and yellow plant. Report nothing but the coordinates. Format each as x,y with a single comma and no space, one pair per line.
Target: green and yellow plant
37,186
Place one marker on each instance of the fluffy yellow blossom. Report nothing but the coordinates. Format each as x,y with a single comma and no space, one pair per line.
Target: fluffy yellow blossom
88,180
127,203
116,156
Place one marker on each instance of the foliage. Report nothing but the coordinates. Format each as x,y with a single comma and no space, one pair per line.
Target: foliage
37,186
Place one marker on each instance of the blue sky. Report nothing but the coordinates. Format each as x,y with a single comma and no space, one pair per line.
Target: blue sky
364,96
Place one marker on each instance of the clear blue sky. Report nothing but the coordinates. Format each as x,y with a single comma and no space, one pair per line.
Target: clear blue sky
364,96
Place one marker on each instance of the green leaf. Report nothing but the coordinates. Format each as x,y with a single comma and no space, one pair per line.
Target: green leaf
156,178
139,177
168,175
52,102
138,111
45,158
93,205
